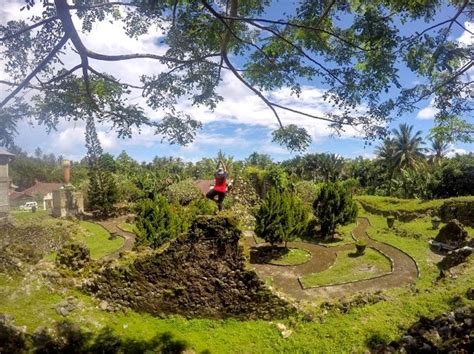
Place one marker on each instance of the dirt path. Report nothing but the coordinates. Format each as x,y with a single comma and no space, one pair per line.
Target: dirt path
111,225
285,278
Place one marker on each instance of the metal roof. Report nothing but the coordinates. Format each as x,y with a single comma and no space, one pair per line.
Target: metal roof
5,152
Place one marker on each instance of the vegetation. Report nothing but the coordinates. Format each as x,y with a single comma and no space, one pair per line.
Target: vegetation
332,207
156,222
294,256
183,192
281,217
102,192
350,266
98,240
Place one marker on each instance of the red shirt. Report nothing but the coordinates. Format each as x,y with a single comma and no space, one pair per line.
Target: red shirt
220,184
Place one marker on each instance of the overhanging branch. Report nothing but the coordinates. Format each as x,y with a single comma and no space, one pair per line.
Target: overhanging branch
38,69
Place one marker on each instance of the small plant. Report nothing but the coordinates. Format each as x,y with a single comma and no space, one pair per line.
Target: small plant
390,221
435,222
360,247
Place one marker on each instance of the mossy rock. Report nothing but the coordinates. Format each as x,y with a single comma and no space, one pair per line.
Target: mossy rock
74,256
460,210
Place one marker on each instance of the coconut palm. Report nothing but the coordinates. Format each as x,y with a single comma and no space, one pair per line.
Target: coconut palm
408,150
439,149
385,153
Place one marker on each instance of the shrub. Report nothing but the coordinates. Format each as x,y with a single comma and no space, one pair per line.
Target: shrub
183,192
334,206
156,222
281,217
307,191
202,206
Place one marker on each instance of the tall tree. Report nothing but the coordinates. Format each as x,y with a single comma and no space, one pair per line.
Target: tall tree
439,149
407,147
102,191
358,60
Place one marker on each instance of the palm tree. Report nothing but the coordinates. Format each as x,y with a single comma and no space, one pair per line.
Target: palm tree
439,149
408,150
385,153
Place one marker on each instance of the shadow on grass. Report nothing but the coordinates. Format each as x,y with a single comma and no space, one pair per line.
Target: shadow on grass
67,337
266,254
355,254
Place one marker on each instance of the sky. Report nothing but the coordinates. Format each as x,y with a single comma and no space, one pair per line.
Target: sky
240,125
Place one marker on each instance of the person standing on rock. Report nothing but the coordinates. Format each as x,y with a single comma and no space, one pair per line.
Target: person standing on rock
220,185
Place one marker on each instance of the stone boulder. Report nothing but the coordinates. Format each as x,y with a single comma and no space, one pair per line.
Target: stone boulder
462,210
74,256
455,258
448,333
453,234
201,274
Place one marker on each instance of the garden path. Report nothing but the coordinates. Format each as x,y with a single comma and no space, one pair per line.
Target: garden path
111,225
285,278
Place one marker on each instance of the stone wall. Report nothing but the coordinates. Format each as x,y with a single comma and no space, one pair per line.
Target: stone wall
201,274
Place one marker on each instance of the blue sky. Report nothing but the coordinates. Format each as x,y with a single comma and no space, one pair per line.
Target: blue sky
239,126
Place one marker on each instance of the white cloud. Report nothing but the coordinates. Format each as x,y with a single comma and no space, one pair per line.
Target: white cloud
467,38
456,151
427,113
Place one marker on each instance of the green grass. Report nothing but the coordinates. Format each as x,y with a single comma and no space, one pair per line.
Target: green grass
408,205
127,227
349,267
28,215
32,305
293,257
97,239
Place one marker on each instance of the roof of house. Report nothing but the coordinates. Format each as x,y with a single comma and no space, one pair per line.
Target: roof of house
5,152
204,184
42,188
13,195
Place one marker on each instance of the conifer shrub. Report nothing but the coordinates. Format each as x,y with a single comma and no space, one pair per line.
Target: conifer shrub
282,217
156,222
332,207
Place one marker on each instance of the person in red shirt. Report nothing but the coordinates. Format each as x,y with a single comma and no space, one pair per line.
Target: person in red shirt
220,185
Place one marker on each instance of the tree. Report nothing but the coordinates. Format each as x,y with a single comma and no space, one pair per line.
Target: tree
102,191
259,160
156,222
407,147
358,60
439,149
334,206
281,217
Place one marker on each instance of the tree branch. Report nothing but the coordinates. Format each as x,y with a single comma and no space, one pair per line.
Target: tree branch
108,78
296,25
299,49
447,81
257,92
226,39
29,28
62,76
305,114
40,67
104,57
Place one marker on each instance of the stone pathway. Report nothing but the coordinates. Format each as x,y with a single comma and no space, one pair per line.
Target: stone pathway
111,225
285,278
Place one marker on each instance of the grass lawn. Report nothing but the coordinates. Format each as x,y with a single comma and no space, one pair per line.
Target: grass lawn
97,239
127,227
24,296
410,205
293,257
349,267
28,215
